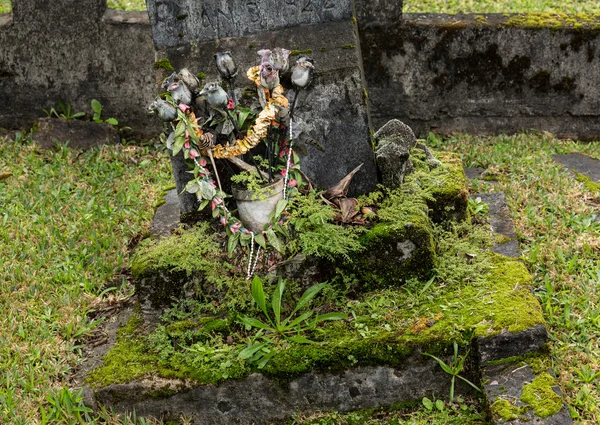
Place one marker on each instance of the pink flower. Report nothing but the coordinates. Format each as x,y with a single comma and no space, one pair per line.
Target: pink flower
235,227
223,220
230,104
203,162
194,153
212,183
183,107
246,231
187,134
187,145
214,202
292,183
283,172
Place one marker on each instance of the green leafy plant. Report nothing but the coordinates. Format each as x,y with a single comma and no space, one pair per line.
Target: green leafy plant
63,111
454,369
97,108
276,329
477,207
430,405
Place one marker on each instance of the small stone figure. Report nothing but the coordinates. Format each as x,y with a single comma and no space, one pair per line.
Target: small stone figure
432,161
393,143
164,110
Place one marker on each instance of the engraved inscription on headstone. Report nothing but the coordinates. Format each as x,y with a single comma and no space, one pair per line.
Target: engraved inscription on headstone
179,21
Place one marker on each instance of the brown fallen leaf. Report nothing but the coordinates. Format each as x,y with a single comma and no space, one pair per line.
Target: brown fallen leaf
341,189
348,209
5,175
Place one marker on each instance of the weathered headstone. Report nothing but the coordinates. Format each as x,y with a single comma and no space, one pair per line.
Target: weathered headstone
332,110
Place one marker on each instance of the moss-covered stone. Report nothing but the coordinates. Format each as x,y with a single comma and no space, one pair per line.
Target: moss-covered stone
588,183
506,410
446,185
164,64
129,359
554,21
541,397
394,253
298,52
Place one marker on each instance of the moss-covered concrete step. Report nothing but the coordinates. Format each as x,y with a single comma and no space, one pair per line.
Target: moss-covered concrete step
449,189
519,393
258,399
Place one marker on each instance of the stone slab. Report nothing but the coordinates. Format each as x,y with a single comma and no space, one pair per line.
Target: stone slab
166,218
501,223
80,134
510,344
506,382
260,400
473,173
582,164
332,110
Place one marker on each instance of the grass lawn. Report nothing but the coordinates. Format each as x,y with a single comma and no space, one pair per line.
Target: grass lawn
68,217
6,5
501,6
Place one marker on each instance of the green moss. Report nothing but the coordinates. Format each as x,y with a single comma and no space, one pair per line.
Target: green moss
540,396
514,308
588,183
539,361
506,410
501,239
129,359
322,49
349,46
201,76
164,64
444,187
298,52
395,252
553,20
201,253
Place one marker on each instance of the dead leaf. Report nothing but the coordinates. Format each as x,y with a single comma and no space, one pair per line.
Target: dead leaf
348,209
5,175
341,189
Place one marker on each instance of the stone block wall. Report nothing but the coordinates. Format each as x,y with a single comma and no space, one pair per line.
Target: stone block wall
483,74
76,51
